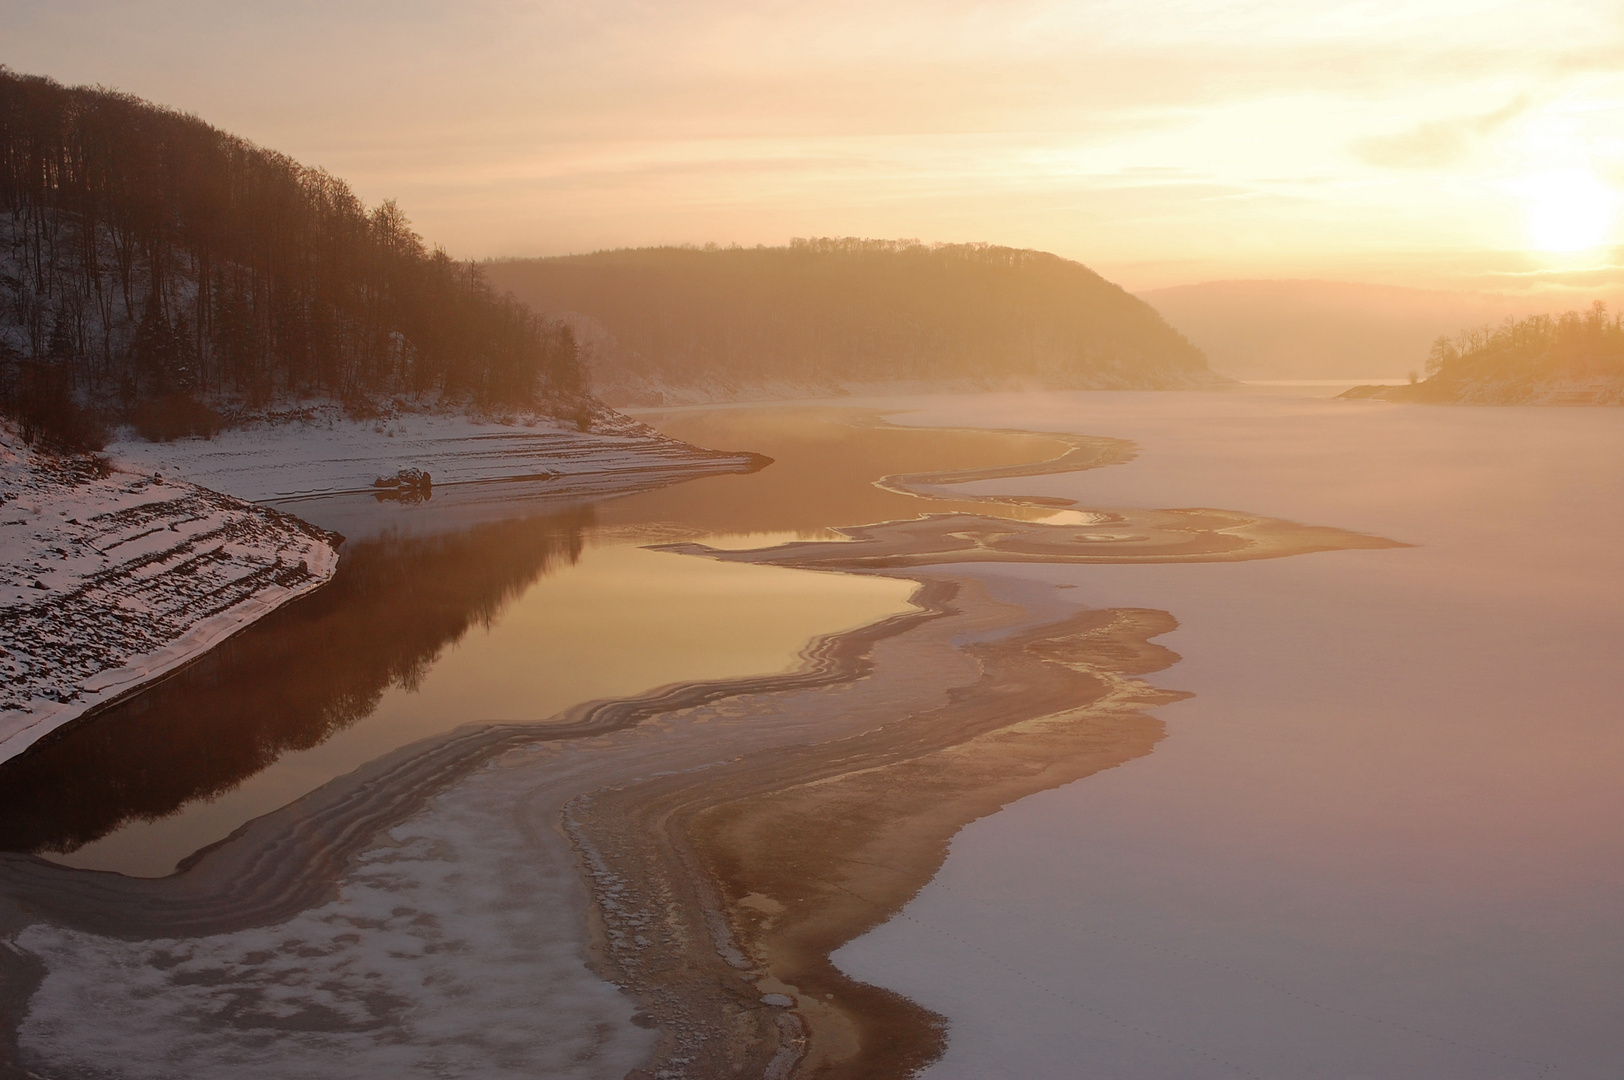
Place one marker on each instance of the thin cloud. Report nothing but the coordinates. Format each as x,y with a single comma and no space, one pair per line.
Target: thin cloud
1437,144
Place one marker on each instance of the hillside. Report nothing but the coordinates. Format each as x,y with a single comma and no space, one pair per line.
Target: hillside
156,270
1290,329
1574,358
673,324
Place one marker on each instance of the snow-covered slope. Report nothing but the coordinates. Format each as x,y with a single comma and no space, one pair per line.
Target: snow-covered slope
111,576
115,571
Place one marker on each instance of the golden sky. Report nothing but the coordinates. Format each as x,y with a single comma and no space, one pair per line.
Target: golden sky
1453,143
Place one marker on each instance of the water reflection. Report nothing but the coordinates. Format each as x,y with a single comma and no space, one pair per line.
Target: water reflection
511,619
289,682
825,462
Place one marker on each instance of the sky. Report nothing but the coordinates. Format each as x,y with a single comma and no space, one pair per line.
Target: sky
1467,144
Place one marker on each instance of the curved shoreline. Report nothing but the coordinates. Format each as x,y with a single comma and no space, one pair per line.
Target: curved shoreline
1086,452
294,859
289,860
751,873
664,462
1121,536
194,568
734,858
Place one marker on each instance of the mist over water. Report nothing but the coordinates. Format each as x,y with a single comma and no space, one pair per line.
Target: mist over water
1383,838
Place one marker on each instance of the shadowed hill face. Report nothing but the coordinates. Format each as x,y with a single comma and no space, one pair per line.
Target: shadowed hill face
829,312
148,260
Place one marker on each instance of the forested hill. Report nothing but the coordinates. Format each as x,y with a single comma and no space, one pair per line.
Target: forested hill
1576,358
152,266
684,323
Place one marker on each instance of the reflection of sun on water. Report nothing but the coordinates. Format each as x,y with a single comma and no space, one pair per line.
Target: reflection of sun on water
1568,210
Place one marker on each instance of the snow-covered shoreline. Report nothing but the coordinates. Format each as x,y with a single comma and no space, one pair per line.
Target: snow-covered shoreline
323,466
323,453
111,577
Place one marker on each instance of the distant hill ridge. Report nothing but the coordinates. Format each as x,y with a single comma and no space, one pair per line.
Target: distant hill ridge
152,266
671,324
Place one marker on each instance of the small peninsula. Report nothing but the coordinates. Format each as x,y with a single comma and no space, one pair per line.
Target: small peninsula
1576,358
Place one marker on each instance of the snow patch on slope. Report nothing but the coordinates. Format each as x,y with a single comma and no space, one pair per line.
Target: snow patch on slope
111,577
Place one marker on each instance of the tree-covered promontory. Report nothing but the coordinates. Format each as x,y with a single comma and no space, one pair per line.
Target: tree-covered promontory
668,321
1572,358
153,266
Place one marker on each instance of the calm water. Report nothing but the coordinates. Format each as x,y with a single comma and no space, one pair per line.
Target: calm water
1385,838
513,620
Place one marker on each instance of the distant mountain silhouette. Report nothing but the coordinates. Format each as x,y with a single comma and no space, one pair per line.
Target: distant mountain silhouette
668,324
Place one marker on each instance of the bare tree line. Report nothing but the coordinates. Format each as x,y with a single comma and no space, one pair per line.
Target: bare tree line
145,255
1574,343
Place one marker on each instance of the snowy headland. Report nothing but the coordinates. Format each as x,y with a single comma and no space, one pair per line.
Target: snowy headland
118,569
111,576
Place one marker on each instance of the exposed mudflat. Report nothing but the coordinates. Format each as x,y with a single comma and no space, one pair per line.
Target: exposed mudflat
702,846
1112,536
748,874
689,927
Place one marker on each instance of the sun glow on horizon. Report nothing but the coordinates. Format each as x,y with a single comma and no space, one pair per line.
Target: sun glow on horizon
1568,210
1429,143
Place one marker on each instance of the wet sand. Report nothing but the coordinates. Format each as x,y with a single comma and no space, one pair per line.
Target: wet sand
749,874
1112,537
1384,838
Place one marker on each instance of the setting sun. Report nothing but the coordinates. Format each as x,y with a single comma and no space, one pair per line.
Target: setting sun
1568,210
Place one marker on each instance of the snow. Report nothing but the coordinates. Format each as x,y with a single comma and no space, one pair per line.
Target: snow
321,452
110,577
454,948
107,582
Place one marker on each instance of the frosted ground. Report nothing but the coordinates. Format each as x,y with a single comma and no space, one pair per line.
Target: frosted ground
323,466
110,577
109,581
451,950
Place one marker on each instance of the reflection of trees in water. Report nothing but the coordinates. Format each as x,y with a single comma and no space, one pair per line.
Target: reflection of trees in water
301,674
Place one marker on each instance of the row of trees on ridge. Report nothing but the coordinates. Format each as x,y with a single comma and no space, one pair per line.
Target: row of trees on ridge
147,256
